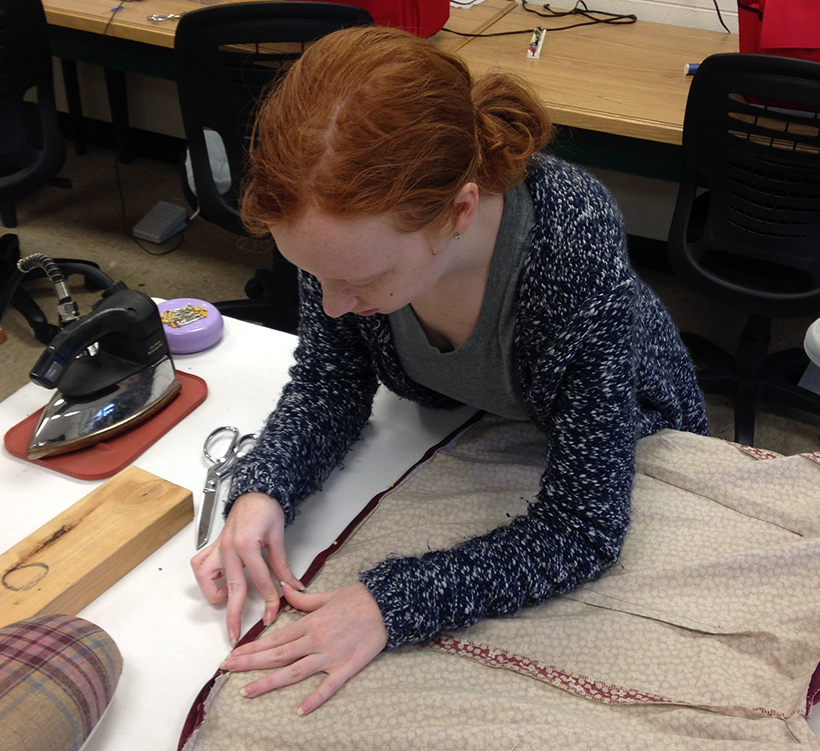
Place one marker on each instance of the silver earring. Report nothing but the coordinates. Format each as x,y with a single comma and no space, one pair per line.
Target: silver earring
458,236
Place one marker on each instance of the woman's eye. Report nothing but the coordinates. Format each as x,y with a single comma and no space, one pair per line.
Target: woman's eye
367,282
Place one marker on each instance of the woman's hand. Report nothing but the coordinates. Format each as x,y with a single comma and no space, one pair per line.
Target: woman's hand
255,523
340,634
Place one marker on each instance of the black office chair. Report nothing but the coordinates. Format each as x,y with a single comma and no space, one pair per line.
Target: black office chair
226,56
11,292
32,148
746,227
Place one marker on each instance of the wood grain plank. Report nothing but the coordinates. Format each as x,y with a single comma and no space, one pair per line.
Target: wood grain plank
627,80
72,559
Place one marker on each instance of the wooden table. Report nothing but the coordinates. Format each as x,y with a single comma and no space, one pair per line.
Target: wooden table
131,22
617,91
91,31
171,639
627,80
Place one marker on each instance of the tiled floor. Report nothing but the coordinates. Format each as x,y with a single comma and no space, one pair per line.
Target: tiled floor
91,220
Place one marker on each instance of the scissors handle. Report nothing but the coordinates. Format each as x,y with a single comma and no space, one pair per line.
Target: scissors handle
221,467
230,453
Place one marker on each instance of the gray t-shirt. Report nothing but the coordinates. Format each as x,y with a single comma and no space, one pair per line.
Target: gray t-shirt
483,372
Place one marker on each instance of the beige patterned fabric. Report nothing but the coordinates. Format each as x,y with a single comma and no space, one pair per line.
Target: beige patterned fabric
705,635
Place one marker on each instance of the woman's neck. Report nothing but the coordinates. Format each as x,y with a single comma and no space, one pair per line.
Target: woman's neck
449,312
473,251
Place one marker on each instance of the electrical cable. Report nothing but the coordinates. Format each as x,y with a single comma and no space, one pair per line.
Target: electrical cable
114,12
593,17
125,226
582,10
720,17
89,271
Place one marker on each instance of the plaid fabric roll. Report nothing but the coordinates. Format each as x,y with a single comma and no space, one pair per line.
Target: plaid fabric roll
57,676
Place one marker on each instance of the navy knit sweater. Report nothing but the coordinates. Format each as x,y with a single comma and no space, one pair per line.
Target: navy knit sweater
601,365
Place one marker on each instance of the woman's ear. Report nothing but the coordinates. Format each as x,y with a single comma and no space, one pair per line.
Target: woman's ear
465,206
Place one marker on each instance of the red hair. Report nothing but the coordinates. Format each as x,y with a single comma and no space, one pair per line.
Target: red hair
373,120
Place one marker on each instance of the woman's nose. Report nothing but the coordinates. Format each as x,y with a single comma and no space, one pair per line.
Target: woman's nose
337,301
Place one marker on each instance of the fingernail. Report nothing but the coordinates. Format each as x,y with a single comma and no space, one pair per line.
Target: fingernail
232,641
228,665
300,711
301,586
243,692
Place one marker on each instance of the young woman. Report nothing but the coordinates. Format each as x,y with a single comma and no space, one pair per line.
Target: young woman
443,256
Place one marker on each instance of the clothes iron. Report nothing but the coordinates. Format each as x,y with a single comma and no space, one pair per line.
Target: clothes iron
113,369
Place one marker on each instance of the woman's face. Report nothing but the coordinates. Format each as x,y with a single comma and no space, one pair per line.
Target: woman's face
364,264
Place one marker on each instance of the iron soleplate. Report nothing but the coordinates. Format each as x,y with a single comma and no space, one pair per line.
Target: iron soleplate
67,426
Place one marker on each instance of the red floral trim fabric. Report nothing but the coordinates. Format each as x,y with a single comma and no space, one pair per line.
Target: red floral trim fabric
579,685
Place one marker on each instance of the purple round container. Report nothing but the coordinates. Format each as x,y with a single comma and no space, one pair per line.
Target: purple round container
190,325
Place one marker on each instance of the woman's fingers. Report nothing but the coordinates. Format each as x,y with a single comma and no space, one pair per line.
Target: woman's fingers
237,588
341,632
256,523
299,670
304,601
281,570
261,577
269,658
330,685
207,568
287,635
285,676
278,559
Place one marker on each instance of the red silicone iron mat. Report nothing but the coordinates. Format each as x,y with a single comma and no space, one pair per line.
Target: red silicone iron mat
110,456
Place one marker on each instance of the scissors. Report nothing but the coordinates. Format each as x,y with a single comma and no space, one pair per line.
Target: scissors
221,466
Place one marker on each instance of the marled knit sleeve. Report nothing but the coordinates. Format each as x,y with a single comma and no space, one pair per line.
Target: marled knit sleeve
573,529
320,414
577,333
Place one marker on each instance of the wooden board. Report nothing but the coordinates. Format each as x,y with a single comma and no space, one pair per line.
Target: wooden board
69,561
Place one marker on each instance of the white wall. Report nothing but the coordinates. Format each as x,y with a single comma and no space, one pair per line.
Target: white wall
697,14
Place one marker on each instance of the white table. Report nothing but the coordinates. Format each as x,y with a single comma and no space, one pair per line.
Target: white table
171,639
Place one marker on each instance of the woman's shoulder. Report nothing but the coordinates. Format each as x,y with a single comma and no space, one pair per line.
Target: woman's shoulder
579,247
567,187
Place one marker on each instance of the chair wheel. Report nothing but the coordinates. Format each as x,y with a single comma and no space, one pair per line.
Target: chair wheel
260,286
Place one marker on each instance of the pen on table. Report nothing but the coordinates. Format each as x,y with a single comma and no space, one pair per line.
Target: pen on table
690,68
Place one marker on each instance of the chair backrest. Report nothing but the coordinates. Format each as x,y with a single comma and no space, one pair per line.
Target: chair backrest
746,228
31,154
226,56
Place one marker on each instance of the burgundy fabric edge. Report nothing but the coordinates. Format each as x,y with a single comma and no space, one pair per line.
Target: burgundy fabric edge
813,694
196,715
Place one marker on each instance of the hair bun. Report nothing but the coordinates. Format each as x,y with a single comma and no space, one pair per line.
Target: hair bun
511,125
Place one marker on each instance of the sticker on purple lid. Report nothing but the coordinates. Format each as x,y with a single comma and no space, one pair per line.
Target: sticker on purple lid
190,325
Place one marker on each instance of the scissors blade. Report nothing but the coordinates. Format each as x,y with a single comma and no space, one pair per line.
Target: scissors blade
206,517
207,509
